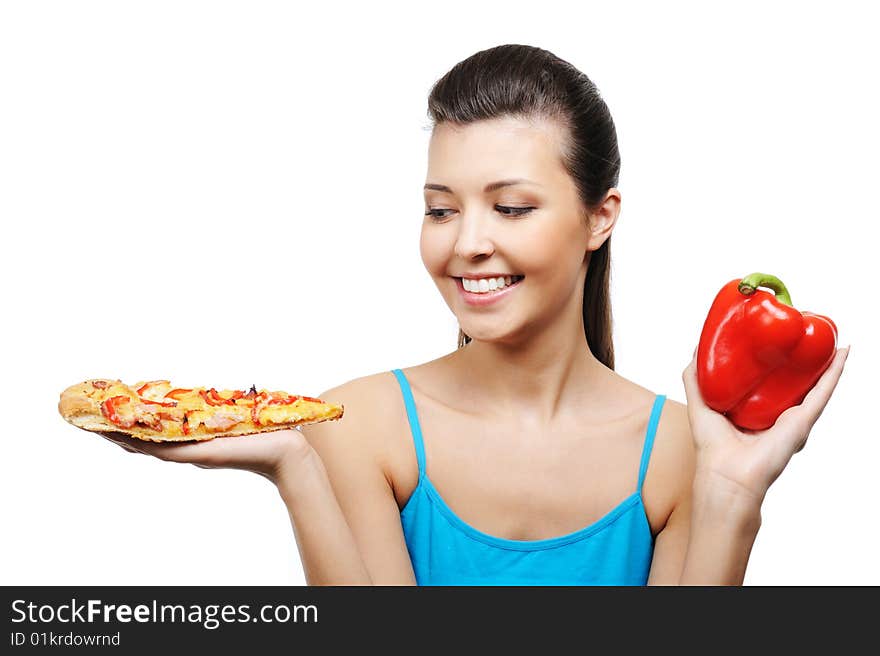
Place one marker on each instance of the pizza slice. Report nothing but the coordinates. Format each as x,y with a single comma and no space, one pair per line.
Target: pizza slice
159,412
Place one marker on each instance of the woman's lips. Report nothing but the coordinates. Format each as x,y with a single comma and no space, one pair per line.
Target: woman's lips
485,298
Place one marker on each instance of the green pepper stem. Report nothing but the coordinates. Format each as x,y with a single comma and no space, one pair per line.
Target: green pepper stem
751,282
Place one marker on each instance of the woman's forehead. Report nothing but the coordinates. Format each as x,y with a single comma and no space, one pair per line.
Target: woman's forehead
495,149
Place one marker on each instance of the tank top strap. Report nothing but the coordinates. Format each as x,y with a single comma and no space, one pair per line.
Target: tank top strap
413,418
649,438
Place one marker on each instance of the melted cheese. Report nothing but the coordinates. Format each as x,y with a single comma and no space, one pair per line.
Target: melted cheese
279,414
156,390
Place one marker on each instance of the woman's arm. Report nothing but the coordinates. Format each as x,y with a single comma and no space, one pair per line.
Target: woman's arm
341,502
707,539
723,528
327,548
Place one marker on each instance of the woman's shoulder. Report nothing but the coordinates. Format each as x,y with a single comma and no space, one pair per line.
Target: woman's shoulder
626,396
370,415
378,391
365,394
673,454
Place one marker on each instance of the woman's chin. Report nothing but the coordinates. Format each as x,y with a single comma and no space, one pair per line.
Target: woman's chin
491,335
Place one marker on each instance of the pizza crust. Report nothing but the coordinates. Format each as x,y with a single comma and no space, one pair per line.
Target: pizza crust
78,408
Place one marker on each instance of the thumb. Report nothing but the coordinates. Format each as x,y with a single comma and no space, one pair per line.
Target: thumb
691,388
689,377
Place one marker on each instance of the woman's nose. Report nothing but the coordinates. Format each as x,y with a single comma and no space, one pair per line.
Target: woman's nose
474,238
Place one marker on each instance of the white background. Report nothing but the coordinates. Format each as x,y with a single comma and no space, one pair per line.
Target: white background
229,193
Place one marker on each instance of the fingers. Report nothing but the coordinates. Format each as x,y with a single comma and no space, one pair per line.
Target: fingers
816,399
799,419
162,451
113,436
207,454
120,439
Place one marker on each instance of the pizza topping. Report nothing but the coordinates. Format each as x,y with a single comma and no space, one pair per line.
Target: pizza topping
287,398
164,404
154,389
278,414
213,397
261,400
176,393
156,409
148,414
223,420
152,421
99,384
214,420
120,411
111,410
284,400
209,399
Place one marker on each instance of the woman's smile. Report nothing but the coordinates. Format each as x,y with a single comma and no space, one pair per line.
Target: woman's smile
484,291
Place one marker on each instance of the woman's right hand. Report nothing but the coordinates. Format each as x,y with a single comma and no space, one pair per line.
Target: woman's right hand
266,454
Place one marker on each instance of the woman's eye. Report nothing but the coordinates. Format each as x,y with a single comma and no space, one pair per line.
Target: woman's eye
513,211
436,213
433,214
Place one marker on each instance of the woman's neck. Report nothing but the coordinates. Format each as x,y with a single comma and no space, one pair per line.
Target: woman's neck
534,377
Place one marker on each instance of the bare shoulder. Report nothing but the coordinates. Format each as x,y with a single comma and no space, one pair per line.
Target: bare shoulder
362,431
367,395
673,459
672,454
671,466
674,434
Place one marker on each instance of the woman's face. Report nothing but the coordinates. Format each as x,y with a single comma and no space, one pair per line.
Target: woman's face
475,230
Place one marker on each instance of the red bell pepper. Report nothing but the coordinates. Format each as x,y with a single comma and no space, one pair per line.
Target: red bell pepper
153,383
164,404
110,407
177,393
758,355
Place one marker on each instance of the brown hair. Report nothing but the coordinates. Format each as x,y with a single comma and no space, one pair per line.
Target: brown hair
525,81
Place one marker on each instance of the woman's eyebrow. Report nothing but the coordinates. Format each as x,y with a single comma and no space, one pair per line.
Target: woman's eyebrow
492,186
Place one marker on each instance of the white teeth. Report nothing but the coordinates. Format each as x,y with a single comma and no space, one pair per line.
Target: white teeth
484,285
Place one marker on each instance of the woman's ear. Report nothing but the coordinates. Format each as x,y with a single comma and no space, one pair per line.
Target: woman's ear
603,219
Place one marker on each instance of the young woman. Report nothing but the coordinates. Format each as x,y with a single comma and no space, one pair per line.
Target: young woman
521,457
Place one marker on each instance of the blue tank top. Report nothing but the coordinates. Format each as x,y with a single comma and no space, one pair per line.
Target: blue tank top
614,550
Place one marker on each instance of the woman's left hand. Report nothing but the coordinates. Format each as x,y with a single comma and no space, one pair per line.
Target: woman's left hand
747,462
